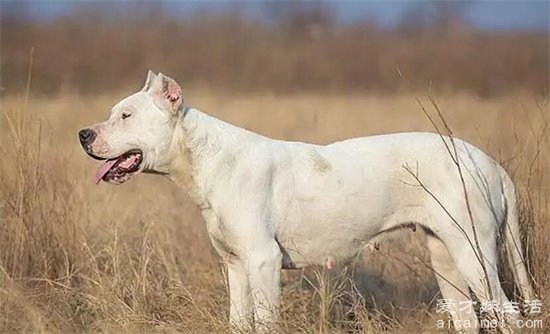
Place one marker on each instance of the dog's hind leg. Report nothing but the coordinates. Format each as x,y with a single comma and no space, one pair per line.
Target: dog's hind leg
512,238
453,286
479,269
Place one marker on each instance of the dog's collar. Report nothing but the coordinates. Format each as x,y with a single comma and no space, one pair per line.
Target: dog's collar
185,111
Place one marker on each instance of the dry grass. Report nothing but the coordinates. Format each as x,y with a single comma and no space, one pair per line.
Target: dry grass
76,257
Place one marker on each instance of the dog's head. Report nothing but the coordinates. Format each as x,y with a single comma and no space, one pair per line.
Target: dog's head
139,132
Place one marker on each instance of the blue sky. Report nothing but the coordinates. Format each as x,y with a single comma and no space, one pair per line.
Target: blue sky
485,14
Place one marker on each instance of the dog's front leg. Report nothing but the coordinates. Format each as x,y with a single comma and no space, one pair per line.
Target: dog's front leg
240,301
241,308
264,270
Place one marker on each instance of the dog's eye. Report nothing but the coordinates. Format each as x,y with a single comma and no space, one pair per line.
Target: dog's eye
126,115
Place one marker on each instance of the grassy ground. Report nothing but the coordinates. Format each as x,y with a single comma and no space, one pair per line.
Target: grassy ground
76,257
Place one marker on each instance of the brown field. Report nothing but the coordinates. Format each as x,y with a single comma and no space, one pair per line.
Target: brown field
76,257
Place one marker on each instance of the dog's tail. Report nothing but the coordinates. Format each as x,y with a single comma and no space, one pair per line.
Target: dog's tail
512,239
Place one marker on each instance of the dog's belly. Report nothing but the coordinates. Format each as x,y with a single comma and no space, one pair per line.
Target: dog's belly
302,250
310,235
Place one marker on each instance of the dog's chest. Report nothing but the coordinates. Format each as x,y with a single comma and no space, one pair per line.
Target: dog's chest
213,223
217,233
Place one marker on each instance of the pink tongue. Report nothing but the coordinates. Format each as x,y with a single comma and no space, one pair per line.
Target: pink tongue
103,169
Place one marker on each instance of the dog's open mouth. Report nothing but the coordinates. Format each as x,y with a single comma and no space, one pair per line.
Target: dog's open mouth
121,168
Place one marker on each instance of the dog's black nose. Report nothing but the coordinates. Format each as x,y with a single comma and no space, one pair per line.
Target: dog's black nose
86,136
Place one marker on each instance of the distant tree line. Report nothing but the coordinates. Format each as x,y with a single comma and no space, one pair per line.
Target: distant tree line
301,48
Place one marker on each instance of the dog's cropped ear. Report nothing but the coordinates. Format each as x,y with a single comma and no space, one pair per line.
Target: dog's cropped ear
166,92
150,77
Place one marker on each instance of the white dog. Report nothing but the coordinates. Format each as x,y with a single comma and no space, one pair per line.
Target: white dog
272,205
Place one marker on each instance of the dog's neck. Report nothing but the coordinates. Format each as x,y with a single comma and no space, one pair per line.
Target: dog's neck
201,143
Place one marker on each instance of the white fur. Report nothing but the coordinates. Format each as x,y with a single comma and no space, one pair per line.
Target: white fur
270,204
